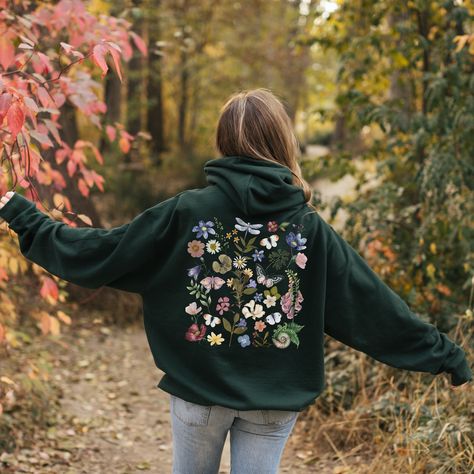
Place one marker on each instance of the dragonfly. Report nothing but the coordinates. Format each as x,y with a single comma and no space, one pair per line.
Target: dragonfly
247,227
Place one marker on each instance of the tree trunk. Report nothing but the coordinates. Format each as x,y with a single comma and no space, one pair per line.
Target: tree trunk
155,115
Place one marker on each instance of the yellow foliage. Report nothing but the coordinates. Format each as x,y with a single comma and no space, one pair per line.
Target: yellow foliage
431,270
64,317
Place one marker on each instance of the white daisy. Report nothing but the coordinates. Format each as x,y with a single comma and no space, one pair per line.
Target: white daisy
213,246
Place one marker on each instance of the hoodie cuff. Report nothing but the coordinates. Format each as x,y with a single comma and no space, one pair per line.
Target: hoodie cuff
461,373
16,204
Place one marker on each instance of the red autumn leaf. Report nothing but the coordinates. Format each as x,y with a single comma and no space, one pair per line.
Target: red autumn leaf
139,43
31,104
7,51
53,129
83,189
71,167
124,145
98,56
110,131
5,102
98,155
49,289
115,52
3,275
15,118
43,96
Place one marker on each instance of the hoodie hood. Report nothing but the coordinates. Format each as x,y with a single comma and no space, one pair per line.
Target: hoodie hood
255,186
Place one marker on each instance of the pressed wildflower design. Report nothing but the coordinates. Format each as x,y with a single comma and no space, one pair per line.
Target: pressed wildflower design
244,283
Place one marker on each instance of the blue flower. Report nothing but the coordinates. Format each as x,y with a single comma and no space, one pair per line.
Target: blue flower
295,241
258,255
258,296
244,340
194,271
242,323
204,229
252,283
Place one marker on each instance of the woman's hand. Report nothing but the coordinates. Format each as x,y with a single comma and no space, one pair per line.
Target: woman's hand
462,387
6,198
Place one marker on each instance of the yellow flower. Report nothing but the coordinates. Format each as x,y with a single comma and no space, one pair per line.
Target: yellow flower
228,235
234,231
230,282
248,272
214,338
236,239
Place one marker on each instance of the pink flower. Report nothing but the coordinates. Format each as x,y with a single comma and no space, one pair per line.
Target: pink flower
272,226
260,326
196,248
301,260
222,305
194,333
287,307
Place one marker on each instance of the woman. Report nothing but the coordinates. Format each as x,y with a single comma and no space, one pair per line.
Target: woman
240,280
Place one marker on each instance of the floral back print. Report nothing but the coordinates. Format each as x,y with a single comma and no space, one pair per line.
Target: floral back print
244,283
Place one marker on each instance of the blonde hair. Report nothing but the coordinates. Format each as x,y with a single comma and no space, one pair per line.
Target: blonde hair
255,123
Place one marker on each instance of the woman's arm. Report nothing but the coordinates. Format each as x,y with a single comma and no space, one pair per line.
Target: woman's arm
123,257
366,314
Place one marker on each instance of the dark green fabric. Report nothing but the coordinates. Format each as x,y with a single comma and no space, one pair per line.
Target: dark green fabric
267,350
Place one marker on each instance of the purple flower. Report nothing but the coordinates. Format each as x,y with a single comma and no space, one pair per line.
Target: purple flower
258,296
242,323
258,255
252,283
194,271
204,229
295,241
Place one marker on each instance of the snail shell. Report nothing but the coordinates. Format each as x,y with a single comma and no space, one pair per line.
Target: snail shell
282,341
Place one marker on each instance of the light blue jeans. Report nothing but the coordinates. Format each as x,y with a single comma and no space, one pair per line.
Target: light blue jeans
257,438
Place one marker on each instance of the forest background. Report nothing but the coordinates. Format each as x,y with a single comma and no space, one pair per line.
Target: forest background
109,107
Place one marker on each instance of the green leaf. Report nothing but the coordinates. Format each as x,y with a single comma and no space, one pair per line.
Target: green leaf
227,325
294,338
251,241
249,291
236,317
295,327
239,330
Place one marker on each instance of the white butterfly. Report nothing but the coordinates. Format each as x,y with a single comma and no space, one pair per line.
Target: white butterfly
212,282
246,226
273,318
267,280
270,242
211,320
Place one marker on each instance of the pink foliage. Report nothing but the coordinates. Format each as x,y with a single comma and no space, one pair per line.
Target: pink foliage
37,51
35,85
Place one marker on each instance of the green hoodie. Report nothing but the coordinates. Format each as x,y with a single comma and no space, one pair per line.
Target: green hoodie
240,280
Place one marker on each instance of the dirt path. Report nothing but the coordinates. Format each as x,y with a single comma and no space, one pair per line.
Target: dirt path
114,420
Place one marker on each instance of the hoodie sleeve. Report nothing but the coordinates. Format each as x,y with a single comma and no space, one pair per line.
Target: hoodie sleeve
123,257
364,313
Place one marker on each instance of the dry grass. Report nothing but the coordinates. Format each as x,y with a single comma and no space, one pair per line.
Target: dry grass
397,421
